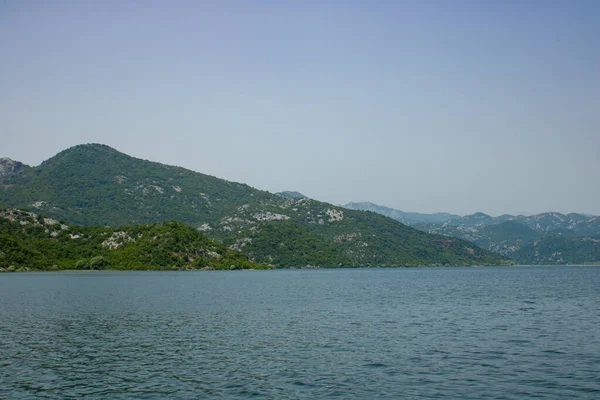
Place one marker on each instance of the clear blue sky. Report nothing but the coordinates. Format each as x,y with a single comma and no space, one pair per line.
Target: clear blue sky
457,106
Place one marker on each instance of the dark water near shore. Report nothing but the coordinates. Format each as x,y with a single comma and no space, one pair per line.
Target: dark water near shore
511,333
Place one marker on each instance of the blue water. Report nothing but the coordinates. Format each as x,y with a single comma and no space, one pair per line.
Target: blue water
510,333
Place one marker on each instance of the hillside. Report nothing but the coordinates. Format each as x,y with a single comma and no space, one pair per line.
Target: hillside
97,185
515,236
32,241
561,249
291,194
534,239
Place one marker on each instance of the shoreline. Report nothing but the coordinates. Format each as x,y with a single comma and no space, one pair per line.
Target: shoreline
20,270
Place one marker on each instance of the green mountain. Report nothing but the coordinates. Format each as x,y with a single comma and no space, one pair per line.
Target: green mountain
534,239
561,249
32,241
528,239
97,185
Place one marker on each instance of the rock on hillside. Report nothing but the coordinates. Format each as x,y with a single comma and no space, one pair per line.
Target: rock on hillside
29,240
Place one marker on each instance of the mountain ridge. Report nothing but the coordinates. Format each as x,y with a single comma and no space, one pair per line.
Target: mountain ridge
516,236
408,218
97,185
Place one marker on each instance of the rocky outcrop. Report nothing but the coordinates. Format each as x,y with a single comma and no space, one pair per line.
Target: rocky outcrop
9,166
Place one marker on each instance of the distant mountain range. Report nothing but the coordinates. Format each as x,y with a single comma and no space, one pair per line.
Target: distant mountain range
547,238
96,185
408,218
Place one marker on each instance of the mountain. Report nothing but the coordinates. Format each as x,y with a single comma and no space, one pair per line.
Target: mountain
549,222
408,218
31,241
508,234
561,249
97,185
525,239
9,167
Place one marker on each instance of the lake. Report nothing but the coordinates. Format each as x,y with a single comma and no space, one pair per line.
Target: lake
493,332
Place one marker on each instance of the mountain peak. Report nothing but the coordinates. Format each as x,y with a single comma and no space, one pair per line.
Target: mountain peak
90,147
9,166
480,215
85,153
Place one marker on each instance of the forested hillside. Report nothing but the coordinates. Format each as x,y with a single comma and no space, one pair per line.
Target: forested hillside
97,185
30,241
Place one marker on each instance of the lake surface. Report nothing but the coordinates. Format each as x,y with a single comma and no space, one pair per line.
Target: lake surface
510,333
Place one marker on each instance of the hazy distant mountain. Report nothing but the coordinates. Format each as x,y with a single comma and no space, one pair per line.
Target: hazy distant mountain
408,218
97,185
545,223
534,239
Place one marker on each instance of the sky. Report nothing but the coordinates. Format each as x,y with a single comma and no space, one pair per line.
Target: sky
428,106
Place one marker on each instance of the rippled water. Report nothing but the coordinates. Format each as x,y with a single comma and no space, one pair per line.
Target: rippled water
510,333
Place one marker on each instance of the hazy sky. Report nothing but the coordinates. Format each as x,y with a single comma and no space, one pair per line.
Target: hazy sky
457,106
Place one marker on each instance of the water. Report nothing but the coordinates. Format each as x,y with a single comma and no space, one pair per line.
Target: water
510,333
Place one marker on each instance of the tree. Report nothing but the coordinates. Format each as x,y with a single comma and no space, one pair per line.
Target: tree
82,264
98,262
